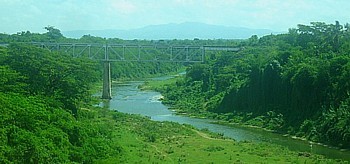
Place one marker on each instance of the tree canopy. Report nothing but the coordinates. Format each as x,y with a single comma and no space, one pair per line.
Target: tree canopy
295,83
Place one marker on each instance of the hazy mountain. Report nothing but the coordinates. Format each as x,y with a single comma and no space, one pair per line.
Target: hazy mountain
187,30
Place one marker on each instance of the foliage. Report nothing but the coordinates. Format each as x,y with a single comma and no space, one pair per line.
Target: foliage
53,33
39,92
296,82
146,141
61,77
33,131
11,80
134,70
276,79
334,125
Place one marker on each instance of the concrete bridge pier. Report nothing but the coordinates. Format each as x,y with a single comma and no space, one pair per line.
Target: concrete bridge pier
107,86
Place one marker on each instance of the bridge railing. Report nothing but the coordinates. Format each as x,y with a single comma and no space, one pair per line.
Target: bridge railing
141,53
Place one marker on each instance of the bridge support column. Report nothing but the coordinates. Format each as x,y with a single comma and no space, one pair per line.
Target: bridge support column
107,86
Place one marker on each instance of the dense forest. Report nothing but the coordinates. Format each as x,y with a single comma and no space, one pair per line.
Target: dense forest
40,94
296,83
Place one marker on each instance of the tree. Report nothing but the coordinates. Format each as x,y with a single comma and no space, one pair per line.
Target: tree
59,76
53,33
253,40
11,81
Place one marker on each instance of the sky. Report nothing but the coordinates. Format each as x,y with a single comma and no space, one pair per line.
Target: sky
67,15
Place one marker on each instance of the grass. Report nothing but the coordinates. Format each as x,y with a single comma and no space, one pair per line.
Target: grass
199,148
145,141
158,84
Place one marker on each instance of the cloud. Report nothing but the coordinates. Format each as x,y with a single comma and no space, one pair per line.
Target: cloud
33,15
123,6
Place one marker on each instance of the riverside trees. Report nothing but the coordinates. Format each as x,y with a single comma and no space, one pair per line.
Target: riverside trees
65,79
296,82
40,94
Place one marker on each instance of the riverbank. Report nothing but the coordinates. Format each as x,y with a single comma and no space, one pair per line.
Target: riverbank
145,141
227,123
237,122
234,121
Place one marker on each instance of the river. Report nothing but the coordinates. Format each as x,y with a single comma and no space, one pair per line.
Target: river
129,99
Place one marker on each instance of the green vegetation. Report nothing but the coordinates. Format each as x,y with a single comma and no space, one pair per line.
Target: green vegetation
47,116
295,83
120,70
42,134
158,84
42,95
146,141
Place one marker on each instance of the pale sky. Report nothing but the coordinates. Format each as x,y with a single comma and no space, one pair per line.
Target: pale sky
66,15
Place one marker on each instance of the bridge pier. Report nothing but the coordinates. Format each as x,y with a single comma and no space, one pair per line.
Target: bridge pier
126,53
107,86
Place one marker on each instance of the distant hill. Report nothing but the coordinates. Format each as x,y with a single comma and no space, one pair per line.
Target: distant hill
188,30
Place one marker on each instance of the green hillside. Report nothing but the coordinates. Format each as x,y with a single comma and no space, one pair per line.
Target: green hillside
296,83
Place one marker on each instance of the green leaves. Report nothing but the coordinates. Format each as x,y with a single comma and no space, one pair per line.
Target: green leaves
60,76
28,135
298,75
198,72
32,131
11,81
53,33
37,88
334,124
325,37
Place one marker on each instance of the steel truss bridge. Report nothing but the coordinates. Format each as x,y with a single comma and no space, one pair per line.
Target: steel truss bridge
143,53
108,53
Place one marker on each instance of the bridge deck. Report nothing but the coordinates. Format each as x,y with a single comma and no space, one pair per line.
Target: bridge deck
129,52
119,52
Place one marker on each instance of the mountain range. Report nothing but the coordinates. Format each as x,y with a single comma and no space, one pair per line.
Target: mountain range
188,30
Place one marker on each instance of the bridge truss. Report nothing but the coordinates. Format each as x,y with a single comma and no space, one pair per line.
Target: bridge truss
144,53
108,53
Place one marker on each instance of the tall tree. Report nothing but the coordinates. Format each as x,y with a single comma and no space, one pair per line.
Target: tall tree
60,76
53,33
